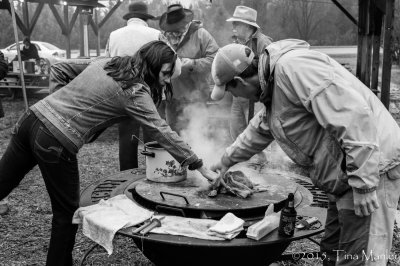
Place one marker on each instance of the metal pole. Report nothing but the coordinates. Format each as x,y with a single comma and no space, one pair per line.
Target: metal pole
14,21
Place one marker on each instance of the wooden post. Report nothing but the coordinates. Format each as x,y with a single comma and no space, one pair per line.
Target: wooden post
86,49
362,53
376,45
96,13
14,21
68,32
81,43
369,37
387,56
25,15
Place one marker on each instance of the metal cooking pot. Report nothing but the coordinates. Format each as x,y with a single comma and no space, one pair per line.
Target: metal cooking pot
161,166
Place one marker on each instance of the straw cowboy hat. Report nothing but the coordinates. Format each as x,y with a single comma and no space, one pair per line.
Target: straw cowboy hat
246,15
175,18
138,10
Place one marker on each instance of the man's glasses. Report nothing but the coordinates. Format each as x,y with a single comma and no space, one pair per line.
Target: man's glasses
174,34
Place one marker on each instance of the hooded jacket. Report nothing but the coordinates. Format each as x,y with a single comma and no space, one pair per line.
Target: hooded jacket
324,118
200,46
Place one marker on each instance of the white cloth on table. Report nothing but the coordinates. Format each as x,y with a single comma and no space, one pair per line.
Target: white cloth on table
190,227
228,227
101,221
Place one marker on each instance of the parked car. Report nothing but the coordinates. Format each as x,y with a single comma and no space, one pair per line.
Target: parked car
46,51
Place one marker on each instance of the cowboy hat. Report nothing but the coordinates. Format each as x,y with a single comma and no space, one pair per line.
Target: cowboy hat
175,18
246,15
137,10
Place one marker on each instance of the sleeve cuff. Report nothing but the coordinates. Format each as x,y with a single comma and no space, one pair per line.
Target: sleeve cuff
365,190
226,160
196,165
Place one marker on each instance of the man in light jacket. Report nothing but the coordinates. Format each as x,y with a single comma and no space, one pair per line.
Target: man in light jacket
324,118
196,48
245,31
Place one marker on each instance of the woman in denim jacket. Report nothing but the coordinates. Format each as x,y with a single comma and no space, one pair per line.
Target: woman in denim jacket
55,128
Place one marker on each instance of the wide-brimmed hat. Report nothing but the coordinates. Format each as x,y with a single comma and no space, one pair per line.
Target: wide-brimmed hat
138,10
175,18
246,15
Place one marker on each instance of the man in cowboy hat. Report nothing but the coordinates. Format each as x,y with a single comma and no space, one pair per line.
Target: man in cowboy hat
326,119
126,41
196,48
245,31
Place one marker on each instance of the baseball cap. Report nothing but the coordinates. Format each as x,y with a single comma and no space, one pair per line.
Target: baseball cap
230,61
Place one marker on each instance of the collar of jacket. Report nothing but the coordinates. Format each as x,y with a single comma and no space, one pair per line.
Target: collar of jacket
194,26
266,79
137,21
254,36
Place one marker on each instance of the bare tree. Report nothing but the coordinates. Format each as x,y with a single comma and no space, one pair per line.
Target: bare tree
305,15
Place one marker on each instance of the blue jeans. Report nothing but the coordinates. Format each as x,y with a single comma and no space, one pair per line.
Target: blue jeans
32,144
239,115
353,240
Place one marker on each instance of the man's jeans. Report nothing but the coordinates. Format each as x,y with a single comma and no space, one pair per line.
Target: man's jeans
33,144
353,240
239,115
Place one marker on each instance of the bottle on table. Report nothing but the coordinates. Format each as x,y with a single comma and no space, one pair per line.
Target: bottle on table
287,220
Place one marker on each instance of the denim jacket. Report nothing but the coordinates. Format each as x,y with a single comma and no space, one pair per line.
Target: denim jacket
61,73
324,118
93,101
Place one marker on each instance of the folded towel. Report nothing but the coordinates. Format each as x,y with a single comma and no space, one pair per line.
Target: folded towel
190,227
228,227
101,221
227,236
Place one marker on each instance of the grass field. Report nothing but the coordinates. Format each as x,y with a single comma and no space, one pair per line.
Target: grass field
25,230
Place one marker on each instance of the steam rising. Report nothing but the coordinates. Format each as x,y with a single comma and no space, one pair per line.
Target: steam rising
206,132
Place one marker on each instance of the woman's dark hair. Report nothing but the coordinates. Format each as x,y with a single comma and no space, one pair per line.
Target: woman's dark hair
144,67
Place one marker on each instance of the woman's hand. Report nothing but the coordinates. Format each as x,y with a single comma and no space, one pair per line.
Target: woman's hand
208,174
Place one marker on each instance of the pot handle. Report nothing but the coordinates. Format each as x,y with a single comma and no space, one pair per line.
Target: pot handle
167,209
173,194
148,153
